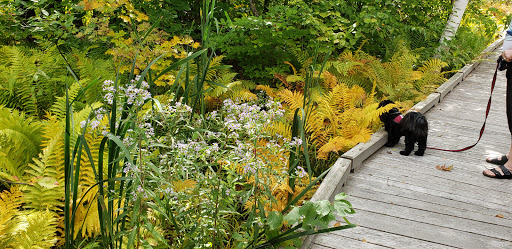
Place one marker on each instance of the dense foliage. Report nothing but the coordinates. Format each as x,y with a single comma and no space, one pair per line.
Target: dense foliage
203,124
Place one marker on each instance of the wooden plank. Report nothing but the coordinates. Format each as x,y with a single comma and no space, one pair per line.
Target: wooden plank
425,232
333,240
426,202
385,207
415,185
426,167
385,239
417,174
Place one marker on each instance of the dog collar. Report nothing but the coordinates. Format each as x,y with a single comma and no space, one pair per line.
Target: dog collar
398,118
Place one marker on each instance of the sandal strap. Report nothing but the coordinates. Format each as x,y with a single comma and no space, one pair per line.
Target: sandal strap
505,170
496,173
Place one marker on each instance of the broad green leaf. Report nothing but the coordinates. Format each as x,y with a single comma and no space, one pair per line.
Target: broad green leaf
322,207
343,208
275,220
293,216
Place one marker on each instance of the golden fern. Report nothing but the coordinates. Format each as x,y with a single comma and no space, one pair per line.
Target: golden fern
10,201
242,94
277,127
272,92
329,80
36,229
293,100
46,189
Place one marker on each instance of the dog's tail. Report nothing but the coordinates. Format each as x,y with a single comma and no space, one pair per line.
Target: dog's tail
416,123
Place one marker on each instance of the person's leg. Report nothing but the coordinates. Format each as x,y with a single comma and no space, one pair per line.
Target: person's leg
508,163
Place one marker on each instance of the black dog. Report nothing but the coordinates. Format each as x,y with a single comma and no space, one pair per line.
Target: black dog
412,125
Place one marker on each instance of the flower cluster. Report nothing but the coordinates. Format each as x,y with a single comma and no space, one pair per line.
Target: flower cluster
249,118
94,122
134,96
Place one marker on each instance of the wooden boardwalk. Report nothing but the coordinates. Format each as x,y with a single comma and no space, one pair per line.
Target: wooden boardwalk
405,202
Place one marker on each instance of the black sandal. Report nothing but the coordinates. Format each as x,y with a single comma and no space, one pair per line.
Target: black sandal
498,160
506,173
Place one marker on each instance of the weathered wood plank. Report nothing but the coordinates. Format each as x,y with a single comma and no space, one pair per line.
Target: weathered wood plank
427,232
439,192
335,241
385,239
419,201
432,217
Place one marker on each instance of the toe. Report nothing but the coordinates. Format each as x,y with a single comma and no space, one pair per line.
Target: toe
488,173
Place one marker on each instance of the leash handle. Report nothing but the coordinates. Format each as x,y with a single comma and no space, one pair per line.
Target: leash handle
485,120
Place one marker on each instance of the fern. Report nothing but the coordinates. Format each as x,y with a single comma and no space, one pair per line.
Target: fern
268,90
10,201
293,100
283,129
31,78
20,140
35,230
47,189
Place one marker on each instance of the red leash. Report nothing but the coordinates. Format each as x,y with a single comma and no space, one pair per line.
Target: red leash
486,114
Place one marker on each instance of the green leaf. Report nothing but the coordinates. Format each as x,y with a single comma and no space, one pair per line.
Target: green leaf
238,236
275,220
343,208
293,216
322,207
340,196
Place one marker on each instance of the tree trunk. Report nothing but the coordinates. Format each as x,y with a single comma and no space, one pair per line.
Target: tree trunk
454,21
253,8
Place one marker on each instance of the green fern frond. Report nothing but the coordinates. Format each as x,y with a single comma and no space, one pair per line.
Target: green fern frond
46,190
431,76
20,140
215,62
32,78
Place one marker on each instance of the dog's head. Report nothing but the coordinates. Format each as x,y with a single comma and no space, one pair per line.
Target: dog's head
391,114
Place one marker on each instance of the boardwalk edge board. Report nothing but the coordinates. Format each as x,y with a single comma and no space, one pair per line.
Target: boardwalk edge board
352,160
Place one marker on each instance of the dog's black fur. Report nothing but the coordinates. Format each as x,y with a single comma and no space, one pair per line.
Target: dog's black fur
413,126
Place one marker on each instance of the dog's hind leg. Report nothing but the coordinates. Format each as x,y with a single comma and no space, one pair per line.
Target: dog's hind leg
409,146
422,145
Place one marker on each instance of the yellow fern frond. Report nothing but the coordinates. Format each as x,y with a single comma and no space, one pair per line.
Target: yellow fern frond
10,201
35,230
215,62
291,65
268,90
182,185
329,80
334,145
293,100
276,127
242,95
